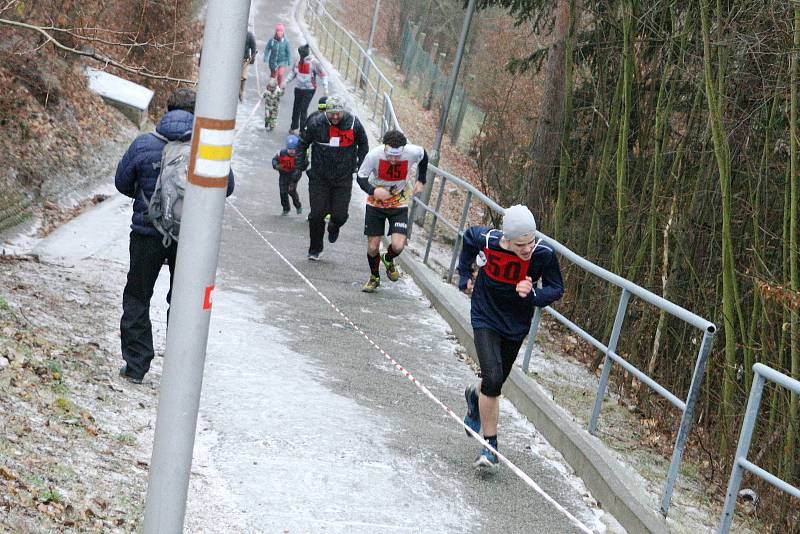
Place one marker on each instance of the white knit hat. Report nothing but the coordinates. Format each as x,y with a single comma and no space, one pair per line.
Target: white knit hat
518,221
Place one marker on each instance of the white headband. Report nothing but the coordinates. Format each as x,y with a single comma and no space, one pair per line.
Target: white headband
390,151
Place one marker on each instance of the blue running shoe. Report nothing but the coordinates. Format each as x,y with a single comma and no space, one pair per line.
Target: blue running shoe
473,417
486,460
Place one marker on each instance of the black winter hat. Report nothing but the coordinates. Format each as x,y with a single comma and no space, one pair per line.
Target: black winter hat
183,98
303,51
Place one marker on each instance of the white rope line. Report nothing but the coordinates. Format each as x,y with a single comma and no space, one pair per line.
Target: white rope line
243,125
516,470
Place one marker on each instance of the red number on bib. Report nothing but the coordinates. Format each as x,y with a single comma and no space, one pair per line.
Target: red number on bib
505,267
392,173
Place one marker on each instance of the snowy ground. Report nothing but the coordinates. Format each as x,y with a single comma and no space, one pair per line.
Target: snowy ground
303,426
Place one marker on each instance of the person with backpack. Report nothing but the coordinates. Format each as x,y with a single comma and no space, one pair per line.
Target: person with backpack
307,70
338,144
140,173
289,173
511,263
278,54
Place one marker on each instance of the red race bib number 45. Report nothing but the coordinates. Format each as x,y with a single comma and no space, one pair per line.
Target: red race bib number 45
392,173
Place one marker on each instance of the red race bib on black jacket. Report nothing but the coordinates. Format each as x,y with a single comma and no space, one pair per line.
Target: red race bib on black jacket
341,137
286,163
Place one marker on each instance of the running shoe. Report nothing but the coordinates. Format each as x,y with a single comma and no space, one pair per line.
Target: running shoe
315,256
333,233
473,417
372,284
391,269
285,212
300,210
486,460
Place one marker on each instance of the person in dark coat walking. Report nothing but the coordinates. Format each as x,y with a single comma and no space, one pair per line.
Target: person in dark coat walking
338,146
249,57
136,177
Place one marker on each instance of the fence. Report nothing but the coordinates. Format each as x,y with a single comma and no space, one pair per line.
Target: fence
628,289
425,77
348,56
761,373
471,195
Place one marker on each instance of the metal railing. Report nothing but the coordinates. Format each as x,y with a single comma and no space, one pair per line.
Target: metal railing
627,287
761,373
388,120
348,56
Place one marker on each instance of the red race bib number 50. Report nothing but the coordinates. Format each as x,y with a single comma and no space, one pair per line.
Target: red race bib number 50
505,267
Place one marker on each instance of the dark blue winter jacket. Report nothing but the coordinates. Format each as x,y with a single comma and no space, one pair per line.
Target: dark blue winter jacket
139,167
495,304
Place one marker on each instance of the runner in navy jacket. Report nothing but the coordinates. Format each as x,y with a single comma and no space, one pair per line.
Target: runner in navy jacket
504,296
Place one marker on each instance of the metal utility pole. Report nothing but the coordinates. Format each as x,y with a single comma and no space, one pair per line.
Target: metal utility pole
451,87
365,70
198,249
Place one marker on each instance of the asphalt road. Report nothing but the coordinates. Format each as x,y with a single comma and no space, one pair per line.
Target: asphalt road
304,425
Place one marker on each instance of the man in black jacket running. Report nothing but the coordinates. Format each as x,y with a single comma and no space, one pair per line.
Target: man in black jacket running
338,145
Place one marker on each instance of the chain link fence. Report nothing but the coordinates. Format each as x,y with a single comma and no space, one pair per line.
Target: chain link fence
425,78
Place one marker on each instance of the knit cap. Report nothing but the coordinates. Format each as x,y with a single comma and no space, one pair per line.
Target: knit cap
518,221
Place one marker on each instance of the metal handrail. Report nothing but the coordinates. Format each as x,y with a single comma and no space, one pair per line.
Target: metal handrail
362,65
761,373
389,120
609,350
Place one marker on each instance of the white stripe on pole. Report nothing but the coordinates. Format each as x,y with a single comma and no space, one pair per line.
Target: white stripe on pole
216,137
212,168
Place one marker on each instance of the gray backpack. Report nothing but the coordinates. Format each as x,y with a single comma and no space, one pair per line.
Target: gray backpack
166,204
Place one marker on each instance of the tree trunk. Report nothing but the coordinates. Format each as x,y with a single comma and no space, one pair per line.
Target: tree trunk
722,154
794,277
550,126
565,163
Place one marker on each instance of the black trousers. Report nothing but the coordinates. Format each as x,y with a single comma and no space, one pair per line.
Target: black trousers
302,98
327,196
288,188
496,355
147,255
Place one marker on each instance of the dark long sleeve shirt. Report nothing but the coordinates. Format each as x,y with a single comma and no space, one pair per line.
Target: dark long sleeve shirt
496,304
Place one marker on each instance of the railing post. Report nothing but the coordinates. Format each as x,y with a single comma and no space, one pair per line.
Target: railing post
349,59
377,93
750,415
338,47
385,104
442,184
608,363
526,359
457,246
686,419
